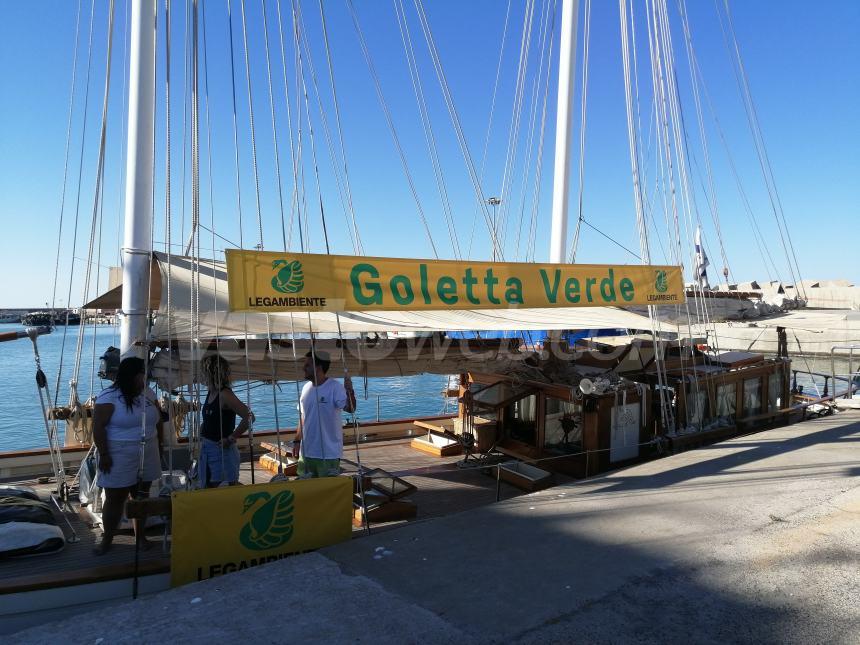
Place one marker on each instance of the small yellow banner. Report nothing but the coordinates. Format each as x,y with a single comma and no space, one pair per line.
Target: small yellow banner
281,282
221,530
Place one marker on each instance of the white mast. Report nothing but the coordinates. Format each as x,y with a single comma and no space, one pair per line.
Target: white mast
561,176
138,179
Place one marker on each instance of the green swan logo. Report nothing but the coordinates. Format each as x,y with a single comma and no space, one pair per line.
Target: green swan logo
661,283
271,524
289,278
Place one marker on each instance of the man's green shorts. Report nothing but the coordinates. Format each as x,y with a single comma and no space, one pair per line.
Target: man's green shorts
310,467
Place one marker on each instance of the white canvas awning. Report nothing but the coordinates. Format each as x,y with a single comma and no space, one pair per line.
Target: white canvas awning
255,361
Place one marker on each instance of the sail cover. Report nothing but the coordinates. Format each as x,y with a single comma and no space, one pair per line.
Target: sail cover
194,304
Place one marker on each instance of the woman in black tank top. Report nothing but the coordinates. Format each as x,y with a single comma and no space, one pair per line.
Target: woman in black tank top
219,454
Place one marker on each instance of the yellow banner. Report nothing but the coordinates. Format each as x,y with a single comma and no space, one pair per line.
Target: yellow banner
221,530
281,282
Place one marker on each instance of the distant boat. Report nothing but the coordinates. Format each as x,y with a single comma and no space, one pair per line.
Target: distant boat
50,318
6,319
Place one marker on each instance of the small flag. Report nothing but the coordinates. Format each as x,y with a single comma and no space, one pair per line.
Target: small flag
701,261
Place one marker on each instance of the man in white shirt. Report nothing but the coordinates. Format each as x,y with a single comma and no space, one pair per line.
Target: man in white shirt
319,437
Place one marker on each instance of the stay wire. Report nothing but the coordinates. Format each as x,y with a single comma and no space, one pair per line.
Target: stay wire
77,199
275,145
72,93
536,192
426,124
238,198
546,32
390,121
259,214
336,103
761,150
343,192
100,171
294,199
516,114
458,129
583,105
490,123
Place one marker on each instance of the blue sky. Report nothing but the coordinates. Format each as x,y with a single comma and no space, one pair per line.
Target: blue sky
801,60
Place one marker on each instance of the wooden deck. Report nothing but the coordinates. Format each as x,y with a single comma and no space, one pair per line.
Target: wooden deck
443,488
76,561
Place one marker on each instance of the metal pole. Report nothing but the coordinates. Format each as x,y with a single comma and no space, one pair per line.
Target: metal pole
138,181
566,67
832,364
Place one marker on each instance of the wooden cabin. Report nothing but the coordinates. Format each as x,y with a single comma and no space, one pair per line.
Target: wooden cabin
562,428
557,427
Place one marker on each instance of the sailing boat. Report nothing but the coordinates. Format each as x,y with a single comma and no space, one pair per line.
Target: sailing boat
578,413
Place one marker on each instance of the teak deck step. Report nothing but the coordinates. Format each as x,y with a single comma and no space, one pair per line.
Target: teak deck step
437,444
394,511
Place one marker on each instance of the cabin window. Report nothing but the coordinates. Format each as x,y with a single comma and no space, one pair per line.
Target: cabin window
521,419
697,406
497,395
727,400
774,391
752,397
562,426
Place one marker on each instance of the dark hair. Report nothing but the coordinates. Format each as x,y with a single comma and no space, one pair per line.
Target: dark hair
320,359
128,369
109,363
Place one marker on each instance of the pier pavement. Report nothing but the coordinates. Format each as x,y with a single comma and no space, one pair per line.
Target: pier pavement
755,539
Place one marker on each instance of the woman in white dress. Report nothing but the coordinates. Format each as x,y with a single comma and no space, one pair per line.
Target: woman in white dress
127,426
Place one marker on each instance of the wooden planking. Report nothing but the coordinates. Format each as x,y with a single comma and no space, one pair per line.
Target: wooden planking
442,489
76,561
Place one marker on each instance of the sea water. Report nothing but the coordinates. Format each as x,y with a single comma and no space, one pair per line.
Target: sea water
22,424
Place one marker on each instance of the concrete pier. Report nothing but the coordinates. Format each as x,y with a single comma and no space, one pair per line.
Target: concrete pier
756,539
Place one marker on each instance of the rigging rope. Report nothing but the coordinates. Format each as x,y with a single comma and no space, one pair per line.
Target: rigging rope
695,81
72,93
186,106
401,154
458,129
97,199
275,146
666,411
360,247
270,346
490,123
294,199
547,33
429,138
536,192
344,192
516,113
77,200
761,149
583,104
214,235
